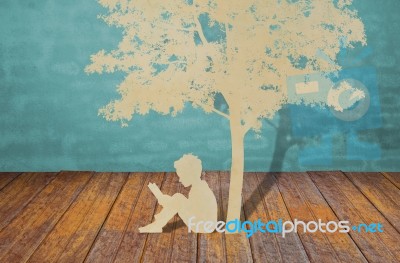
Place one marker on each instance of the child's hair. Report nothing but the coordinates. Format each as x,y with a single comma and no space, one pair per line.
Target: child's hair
189,162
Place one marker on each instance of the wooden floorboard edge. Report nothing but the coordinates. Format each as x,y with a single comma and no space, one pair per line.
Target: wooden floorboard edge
290,215
313,214
337,216
386,175
106,217
246,216
63,213
33,197
250,243
221,210
197,248
173,230
17,175
334,214
260,191
372,203
155,209
130,215
251,247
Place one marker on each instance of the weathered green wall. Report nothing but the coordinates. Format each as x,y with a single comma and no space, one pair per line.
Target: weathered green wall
48,118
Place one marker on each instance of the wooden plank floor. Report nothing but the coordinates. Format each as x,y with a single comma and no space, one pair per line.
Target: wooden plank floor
94,217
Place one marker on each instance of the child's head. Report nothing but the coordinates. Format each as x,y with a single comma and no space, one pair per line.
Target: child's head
188,168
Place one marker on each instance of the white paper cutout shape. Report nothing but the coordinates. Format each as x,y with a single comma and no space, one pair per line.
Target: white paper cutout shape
201,204
169,59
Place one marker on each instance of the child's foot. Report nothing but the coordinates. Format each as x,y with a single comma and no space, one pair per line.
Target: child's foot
150,229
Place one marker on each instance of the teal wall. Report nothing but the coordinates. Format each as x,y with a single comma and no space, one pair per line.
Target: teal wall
48,105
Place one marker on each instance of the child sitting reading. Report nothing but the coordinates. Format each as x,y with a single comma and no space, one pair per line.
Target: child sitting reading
199,207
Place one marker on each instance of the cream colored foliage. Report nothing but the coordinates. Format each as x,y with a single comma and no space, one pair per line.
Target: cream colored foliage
352,96
264,39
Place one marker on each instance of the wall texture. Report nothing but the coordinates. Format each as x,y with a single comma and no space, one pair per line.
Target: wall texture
49,121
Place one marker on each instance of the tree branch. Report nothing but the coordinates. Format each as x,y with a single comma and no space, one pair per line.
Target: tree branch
247,126
221,113
272,124
200,31
213,110
229,53
178,29
177,62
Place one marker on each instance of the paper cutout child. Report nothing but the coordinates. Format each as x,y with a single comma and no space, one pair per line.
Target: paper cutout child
200,206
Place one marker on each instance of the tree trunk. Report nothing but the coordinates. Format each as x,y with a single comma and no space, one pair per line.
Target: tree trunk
283,140
237,168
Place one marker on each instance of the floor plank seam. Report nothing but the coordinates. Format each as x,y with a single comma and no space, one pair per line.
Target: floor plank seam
173,232
287,210
337,216
15,177
305,199
363,218
155,209
370,201
358,213
261,193
291,217
63,187
390,179
250,245
198,248
223,217
133,207
81,221
24,206
63,213
106,217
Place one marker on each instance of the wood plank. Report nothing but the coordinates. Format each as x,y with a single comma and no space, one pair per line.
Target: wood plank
384,195
264,245
351,205
71,238
184,247
24,234
18,193
394,178
6,178
344,246
238,245
211,247
317,245
290,246
106,245
158,245
133,242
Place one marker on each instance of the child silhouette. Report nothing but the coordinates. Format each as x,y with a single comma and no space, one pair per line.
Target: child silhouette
200,206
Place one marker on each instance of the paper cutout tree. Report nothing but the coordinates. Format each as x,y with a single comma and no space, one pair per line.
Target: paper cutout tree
170,59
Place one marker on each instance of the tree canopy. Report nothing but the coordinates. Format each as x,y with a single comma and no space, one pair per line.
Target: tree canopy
168,60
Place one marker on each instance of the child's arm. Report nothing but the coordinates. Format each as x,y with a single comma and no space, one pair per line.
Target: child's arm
156,191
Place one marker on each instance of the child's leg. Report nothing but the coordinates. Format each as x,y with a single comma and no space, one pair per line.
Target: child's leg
171,206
